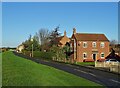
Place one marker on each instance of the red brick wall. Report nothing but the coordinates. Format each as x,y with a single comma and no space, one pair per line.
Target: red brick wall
64,40
80,50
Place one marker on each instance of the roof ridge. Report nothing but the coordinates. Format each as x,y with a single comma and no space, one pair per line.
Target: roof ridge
89,33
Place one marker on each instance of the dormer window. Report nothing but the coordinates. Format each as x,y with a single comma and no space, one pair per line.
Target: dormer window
84,44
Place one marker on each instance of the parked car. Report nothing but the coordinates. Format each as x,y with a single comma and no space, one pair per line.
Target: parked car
111,60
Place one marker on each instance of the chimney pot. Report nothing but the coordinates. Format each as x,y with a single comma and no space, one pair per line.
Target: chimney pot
64,33
74,31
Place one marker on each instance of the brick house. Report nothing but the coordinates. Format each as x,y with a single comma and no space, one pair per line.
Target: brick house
62,40
88,47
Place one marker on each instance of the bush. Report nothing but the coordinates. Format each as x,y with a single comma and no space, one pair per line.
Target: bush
27,53
39,54
43,55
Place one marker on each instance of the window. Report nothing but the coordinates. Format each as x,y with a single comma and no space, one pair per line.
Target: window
94,44
84,55
102,44
84,44
102,55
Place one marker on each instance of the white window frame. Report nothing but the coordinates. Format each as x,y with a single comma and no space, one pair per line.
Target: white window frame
85,45
102,44
93,44
101,55
85,54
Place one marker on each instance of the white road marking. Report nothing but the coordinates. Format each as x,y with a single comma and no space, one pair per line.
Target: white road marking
81,71
85,72
115,81
92,74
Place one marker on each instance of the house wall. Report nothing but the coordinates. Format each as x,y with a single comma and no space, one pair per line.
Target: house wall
64,40
90,50
20,48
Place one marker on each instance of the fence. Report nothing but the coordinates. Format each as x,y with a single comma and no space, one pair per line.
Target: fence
113,66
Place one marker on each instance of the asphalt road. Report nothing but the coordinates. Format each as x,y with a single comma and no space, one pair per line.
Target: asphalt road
107,79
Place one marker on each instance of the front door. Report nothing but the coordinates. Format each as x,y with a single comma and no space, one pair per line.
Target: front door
94,57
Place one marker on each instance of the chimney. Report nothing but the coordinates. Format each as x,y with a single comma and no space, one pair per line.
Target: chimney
64,33
74,31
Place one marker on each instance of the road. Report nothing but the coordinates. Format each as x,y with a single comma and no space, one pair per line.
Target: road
107,79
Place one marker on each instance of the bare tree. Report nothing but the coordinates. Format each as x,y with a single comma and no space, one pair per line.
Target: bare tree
113,42
43,36
114,46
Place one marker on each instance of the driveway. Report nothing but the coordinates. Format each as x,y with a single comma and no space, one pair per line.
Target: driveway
107,79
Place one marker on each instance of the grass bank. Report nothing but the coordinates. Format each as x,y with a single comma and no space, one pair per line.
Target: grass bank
18,71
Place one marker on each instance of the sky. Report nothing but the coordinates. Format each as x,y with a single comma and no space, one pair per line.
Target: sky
20,19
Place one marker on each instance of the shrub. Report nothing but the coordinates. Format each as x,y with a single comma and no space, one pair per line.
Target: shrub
43,55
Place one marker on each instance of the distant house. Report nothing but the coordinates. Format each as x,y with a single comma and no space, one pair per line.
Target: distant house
3,49
62,40
20,48
89,47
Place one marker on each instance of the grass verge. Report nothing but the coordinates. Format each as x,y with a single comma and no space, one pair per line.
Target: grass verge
86,63
18,71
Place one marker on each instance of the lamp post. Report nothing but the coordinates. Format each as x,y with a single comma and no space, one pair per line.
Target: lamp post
32,46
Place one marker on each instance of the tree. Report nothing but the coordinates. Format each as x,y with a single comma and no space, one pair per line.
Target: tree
28,44
43,36
36,45
113,42
58,53
54,34
67,50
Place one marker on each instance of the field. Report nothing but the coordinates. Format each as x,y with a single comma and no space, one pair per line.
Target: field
18,71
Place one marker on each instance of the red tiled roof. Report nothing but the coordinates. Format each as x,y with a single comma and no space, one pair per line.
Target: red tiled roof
90,37
58,39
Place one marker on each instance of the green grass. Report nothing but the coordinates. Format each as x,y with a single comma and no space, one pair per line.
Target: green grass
18,71
86,63
0,69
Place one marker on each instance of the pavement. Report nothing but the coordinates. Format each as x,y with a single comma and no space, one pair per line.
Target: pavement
110,80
